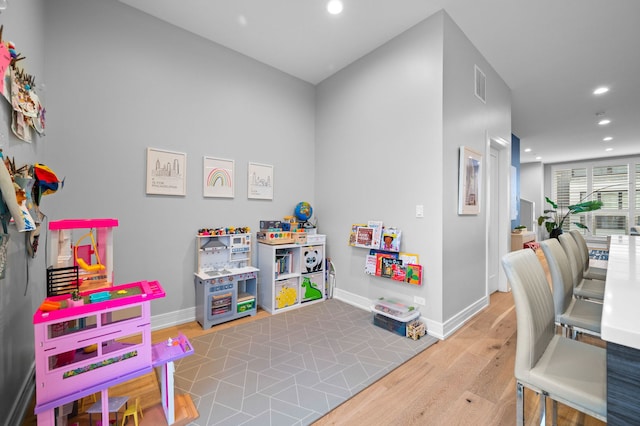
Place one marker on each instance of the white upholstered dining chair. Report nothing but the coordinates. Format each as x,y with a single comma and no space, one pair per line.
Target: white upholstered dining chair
573,315
582,287
589,272
567,371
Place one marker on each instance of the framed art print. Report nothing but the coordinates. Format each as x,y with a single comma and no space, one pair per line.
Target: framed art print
166,172
218,177
469,181
260,180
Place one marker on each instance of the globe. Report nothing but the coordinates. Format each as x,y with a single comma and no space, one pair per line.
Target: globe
303,211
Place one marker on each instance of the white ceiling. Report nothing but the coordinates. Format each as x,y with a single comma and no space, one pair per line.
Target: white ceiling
551,53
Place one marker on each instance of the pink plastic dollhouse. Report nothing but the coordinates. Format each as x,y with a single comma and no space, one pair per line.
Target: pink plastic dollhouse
83,347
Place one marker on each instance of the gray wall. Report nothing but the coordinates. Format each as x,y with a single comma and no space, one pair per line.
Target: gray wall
388,132
379,154
469,122
117,89
23,288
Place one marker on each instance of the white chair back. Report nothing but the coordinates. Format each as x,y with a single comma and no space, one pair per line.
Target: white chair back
561,276
534,308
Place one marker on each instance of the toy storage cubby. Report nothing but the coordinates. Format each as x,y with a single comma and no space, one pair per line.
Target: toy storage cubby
225,281
291,275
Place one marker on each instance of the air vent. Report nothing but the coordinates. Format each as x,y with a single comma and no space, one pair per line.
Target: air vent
481,84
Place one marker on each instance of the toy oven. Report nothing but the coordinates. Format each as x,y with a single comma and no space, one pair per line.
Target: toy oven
220,299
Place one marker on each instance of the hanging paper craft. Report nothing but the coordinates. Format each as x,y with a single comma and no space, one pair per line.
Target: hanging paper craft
18,88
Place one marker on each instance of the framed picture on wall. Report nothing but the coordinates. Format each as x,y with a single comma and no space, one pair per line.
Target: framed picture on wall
166,172
260,181
469,181
218,177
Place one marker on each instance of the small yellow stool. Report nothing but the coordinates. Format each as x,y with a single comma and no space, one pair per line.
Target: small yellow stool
93,399
133,411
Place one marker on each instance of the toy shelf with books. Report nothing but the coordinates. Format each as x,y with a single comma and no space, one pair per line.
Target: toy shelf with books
291,275
225,282
385,258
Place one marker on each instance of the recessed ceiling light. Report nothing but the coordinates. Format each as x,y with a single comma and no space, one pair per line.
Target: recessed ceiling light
334,7
601,90
527,150
607,138
609,149
604,122
538,158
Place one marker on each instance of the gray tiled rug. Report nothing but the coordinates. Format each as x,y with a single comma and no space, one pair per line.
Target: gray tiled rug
290,368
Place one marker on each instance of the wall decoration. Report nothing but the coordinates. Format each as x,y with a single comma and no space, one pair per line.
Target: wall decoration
166,172
18,87
260,180
219,177
469,181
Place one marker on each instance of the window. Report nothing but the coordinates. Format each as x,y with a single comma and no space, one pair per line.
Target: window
615,183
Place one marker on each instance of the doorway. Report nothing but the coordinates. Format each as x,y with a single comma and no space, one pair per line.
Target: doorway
498,217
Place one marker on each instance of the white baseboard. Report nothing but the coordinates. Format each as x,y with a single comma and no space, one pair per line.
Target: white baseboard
461,318
436,329
352,299
174,318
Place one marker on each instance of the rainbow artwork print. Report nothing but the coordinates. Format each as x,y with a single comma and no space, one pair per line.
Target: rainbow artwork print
218,177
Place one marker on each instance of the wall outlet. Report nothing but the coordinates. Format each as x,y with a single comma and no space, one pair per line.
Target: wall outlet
419,300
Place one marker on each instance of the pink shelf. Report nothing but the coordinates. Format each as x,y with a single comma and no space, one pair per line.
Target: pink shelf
161,353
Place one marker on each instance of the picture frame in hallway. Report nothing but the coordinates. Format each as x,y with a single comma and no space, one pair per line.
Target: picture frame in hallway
218,177
469,181
260,181
166,172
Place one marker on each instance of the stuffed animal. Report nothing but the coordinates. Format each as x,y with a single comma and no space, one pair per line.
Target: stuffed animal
313,260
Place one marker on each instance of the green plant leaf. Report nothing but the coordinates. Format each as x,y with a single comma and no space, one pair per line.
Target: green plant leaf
555,206
586,206
581,226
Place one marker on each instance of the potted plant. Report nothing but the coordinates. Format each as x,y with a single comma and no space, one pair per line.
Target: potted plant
519,229
554,218
76,299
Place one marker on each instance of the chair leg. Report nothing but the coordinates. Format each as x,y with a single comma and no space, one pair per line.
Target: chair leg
554,418
543,409
519,404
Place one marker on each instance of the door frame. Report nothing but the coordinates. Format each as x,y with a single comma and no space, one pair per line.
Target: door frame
503,149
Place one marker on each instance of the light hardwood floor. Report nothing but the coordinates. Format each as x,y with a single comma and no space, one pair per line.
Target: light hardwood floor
466,379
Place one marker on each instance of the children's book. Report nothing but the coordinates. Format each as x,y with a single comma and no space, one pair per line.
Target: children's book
389,264
379,256
399,272
352,234
370,264
376,225
414,274
390,239
364,237
408,258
